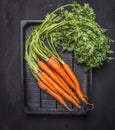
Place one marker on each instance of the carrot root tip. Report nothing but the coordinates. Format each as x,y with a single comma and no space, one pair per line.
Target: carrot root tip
68,108
91,106
86,97
78,106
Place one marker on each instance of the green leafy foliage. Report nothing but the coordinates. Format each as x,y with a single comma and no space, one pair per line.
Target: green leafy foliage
73,29
82,35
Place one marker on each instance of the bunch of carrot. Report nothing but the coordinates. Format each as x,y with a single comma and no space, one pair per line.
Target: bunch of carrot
54,76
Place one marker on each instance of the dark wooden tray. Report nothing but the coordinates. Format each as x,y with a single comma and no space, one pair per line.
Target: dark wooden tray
35,101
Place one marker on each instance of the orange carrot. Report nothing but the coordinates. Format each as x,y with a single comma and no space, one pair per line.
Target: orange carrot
68,89
42,78
53,94
53,58
70,73
60,90
56,78
76,82
42,65
59,69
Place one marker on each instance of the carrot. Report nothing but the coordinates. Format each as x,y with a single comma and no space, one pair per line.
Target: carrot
53,94
59,69
76,82
71,74
60,90
68,89
56,78
42,65
42,78
55,59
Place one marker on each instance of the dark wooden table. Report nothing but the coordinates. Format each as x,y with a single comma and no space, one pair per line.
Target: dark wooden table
11,115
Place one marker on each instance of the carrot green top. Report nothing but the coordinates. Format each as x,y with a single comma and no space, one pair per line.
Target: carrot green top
71,28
